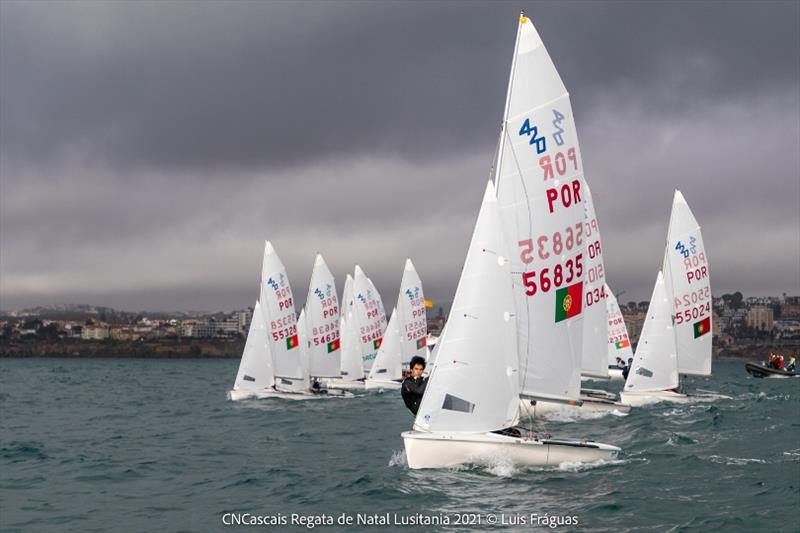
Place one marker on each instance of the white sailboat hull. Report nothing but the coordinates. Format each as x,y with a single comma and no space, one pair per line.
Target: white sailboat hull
591,408
237,395
441,450
377,384
342,384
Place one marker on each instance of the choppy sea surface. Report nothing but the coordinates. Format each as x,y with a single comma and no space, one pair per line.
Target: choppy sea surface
154,445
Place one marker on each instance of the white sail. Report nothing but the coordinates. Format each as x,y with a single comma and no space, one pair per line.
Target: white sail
413,323
687,280
369,316
655,366
255,368
387,364
595,319
474,386
352,368
322,304
278,308
619,344
305,344
540,192
378,303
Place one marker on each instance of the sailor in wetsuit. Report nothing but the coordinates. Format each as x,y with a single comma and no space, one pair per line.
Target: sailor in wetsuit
413,386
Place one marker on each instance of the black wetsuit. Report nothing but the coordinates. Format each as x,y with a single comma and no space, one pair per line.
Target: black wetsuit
412,390
625,372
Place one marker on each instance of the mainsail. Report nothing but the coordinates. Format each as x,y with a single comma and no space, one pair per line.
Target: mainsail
686,275
619,344
540,192
322,306
595,320
474,385
412,323
277,304
369,316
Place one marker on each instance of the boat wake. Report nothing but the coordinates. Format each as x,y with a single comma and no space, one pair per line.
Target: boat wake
577,466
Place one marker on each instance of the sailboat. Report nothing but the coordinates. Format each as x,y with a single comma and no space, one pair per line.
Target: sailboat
369,317
470,409
405,335
619,344
273,364
680,327
352,369
653,377
595,333
255,378
319,328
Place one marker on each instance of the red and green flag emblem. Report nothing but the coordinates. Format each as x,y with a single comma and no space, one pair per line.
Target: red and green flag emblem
421,343
702,327
333,346
623,344
292,342
568,301
377,343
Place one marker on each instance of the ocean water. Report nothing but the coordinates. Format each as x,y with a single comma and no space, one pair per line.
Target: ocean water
153,445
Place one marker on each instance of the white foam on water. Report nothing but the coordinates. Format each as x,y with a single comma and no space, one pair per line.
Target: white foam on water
578,466
398,458
735,460
501,467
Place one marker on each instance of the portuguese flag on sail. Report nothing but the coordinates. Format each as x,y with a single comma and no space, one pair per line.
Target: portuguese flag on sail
333,346
421,343
292,342
568,301
702,327
624,343
377,343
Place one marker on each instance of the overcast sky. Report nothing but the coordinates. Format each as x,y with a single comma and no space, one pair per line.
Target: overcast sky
147,150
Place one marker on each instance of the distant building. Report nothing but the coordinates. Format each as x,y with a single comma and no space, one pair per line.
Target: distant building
244,316
760,317
95,332
791,307
714,323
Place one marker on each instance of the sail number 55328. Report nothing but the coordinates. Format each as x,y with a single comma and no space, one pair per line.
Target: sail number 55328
562,274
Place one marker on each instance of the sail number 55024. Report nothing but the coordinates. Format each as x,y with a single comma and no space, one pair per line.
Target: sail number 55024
562,274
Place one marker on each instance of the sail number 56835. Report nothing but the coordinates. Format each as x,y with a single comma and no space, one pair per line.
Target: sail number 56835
562,274
557,244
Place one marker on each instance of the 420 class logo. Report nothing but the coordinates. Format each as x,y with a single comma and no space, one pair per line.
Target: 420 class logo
686,251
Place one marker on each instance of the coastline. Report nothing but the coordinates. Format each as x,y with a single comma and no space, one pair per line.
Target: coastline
171,348
151,349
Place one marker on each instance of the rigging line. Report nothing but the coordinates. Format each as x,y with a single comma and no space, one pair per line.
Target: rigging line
530,232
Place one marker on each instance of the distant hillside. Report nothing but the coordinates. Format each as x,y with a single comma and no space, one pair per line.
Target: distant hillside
96,312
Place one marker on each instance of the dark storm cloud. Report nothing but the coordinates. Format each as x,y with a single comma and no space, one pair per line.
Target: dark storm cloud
204,84
148,149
